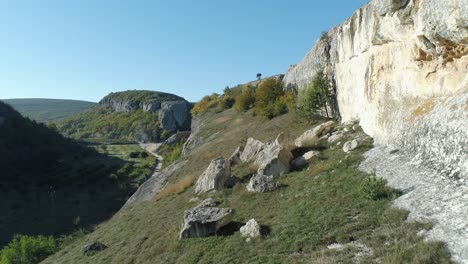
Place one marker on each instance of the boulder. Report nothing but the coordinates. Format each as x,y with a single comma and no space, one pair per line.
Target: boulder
262,183
251,229
350,145
335,137
306,158
251,149
94,247
204,221
175,115
214,177
313,135
274,158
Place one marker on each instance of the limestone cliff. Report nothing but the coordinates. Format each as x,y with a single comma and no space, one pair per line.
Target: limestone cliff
400,68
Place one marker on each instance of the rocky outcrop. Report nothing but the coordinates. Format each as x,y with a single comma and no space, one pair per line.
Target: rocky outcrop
175,115
235,156
251,229
274,158
251,150
193,140
127,101
313,135
262,183
396,67
214,177
204,221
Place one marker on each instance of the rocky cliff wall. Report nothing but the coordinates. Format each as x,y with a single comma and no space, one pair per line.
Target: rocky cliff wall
400,68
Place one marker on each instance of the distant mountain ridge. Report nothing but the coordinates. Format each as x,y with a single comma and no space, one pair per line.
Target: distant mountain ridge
48,110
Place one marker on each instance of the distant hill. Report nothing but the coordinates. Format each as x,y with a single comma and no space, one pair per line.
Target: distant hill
53,185
48,110
129,116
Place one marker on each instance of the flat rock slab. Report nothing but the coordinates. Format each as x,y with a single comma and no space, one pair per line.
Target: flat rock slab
428,195
204,221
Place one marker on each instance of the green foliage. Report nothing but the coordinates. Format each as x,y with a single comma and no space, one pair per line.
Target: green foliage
137,97
102,122
320,97
246,99
49,110
271,100
28,250
206,103
171,153
373,188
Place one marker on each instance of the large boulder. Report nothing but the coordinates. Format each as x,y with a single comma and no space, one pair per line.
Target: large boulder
175,115
204,221
313,135
214,177
251,229
251,149
235,157
274,158
262,183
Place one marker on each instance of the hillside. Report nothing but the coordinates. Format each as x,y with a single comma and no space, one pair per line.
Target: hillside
48,110
130,116
52,185
314,212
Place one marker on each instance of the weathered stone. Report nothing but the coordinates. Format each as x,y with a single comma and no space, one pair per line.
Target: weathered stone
306,158
335,137
350,145
251,149
235,157
214,177
383,7
94,247
204,221
251,229
274,158
175,115
262,183
313,135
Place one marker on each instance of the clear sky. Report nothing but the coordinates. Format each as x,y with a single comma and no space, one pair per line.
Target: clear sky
84,49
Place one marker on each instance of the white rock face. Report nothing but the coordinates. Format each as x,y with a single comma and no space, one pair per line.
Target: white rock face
397,65
251,229
214,177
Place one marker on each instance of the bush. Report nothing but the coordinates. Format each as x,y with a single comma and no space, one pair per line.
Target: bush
320,97
271,100
28,250
245,100
373,188
206,103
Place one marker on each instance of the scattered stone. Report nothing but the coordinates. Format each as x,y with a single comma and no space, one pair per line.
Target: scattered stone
94,247
306,158
204,221
275,157
350,145
252,148
311,136
335,137
251,229
214,177
235,157
262,183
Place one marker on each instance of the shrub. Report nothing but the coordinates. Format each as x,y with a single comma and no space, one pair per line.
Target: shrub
320,97
134,154
271,100
226,102
28,249
206,103
373,187
245,100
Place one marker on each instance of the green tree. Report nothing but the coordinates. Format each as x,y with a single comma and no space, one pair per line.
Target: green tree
267,97
320,97
245,99
28,250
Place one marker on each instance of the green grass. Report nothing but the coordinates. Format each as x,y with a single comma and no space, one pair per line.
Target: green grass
49,110
313,209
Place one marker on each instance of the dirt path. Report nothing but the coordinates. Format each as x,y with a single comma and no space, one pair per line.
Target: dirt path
428,196
152,148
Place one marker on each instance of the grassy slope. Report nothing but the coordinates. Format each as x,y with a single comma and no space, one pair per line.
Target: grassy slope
48,110
313,209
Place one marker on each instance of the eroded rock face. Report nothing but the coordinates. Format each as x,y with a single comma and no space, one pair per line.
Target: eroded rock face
175,115
313,135
251,229
274,158
214,177
204,221
395,62
251,149
262,183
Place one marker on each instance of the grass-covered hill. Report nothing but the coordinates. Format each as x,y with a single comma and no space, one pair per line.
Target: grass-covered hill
320,214
48,110
51,185
123,116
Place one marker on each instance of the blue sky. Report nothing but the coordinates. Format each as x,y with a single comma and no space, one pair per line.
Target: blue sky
84,49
